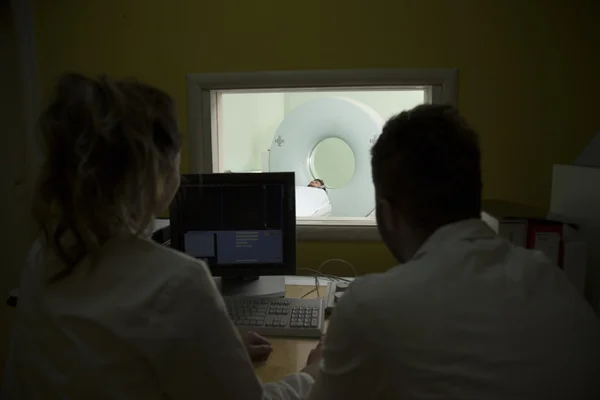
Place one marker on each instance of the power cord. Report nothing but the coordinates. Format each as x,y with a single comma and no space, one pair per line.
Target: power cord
340,261
318,273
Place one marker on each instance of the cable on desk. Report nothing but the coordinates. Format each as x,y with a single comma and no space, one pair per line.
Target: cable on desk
324,275
340,261
317,273
310,292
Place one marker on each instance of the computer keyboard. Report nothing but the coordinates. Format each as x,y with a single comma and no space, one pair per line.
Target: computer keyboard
278,317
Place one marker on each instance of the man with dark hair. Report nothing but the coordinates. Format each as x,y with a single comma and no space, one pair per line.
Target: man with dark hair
467,315
427,167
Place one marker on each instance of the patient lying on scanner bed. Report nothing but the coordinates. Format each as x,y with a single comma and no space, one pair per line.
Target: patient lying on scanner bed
312,200
317,183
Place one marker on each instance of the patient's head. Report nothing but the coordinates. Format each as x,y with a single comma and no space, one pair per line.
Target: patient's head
111,163
317,183
427,173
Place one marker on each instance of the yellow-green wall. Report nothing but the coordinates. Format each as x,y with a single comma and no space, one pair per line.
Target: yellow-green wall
528,68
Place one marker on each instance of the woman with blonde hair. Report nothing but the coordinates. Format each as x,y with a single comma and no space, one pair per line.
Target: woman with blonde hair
104,312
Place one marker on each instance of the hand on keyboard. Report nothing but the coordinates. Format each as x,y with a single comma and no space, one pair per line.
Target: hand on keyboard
258,347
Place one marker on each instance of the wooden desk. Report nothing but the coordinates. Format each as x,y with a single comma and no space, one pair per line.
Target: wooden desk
289,355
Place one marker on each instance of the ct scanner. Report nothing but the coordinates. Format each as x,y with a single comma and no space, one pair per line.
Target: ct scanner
296,139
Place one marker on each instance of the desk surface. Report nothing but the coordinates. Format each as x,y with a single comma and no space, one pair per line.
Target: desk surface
289,355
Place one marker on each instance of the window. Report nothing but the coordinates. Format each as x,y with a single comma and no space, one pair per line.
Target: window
319,124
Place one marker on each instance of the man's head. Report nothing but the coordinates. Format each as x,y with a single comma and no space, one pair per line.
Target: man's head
427,173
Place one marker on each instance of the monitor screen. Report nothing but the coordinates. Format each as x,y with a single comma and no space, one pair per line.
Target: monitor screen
241,225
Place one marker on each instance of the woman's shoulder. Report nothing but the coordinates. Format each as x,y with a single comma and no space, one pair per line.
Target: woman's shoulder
140,274
166,276
165,257
184,278
127,255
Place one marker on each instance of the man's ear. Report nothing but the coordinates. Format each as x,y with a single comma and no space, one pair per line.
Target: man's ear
394,216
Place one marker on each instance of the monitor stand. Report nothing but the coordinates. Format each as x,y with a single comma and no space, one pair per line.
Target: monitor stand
264,286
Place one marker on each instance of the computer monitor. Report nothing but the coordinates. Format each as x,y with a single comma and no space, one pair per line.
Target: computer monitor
243,225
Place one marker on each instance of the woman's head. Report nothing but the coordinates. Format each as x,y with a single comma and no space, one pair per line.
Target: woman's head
111,163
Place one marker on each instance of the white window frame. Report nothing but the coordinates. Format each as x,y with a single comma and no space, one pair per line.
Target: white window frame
203,119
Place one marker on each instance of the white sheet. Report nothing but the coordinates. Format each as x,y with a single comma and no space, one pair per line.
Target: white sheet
312,202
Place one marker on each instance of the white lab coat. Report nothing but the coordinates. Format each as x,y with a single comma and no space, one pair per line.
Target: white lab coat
146,323
470,317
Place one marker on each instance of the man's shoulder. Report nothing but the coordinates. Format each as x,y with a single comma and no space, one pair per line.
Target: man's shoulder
406,275
373,290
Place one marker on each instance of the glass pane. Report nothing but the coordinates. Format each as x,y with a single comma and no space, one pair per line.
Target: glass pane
332,163
248,141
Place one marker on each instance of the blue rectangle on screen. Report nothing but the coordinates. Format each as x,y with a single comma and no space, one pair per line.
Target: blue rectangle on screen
200,244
